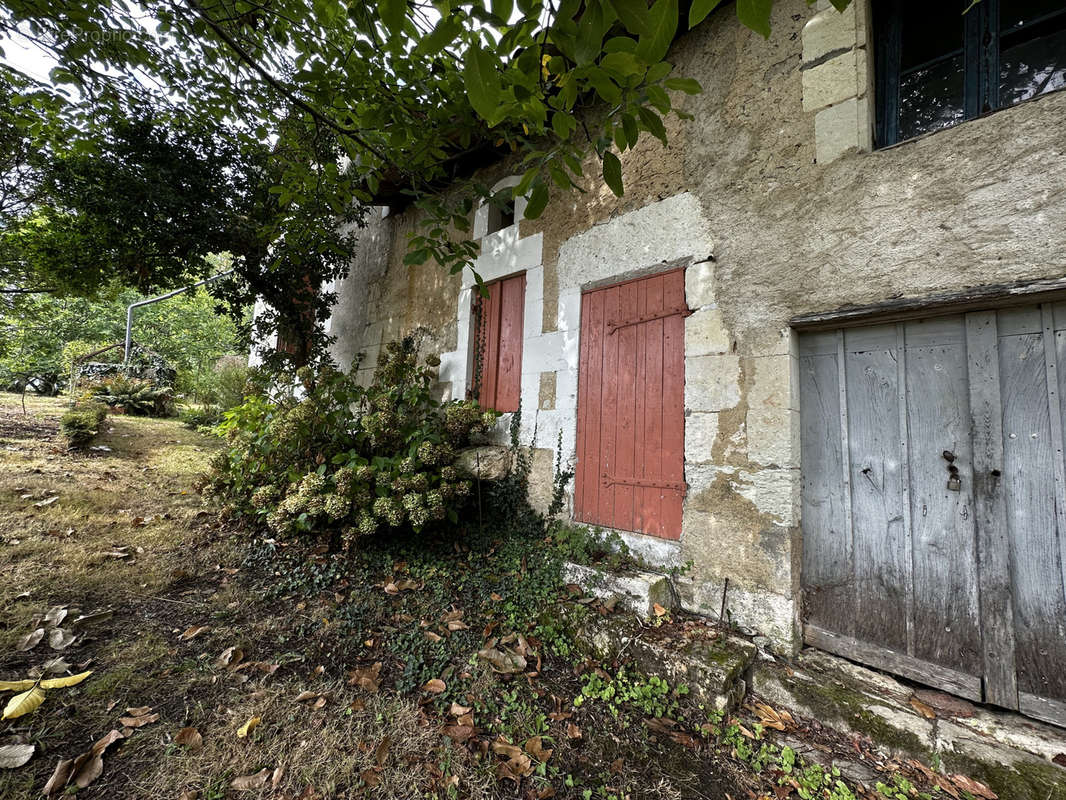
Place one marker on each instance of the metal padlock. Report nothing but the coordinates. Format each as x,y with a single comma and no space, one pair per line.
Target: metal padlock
954,484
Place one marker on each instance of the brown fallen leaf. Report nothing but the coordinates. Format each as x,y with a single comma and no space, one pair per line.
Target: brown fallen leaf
139,722
457,710
433,637
190,739
401,586
572,731
371,777
458,733
922,708
659,610
30,640
435,686
357,705
249,783
55,616
366,677
13,756
230,657
193,632
90,765
277,776
504,661
320,702
535,747
976,788
60,776
382,751
189,794
305,695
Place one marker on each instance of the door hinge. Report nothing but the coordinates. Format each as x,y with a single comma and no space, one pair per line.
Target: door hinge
645,483
614,325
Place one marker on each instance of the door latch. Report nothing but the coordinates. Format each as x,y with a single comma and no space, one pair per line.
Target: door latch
954,484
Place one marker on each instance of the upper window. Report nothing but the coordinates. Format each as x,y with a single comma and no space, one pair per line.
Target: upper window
501,214
499,320
941,63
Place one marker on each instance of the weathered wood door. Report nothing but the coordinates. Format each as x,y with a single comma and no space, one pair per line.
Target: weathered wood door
630,405
934,501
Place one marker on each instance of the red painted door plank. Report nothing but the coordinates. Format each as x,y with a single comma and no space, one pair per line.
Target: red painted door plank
609,409
626,377
673,447
582,457
590,398
640,450
490,319
653,427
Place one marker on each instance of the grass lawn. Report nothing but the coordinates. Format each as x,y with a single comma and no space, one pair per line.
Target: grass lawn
280,671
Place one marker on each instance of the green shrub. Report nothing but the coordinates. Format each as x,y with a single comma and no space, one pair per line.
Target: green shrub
80,424
201,416
222,387
333,458
134,396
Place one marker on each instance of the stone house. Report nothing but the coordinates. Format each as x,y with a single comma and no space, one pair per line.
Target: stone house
813,351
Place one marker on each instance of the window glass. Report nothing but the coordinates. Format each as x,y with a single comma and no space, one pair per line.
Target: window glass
931,98
1032,56
929,31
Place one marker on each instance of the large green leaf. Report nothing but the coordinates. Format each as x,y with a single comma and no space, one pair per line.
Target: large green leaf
482,82
538,200
503,9
612,173
440,37
634,15
755,14
392,14
662,17
699,10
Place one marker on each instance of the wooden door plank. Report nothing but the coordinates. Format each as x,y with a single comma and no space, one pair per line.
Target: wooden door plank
625,441
1056,383
640,391
583,456
673,446
993,543
609,409
828,588
490,363
950,680
905,482
946,621
876,496
1029,483
653,408
592,457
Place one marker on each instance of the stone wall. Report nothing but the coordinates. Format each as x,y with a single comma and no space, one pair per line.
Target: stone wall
773,199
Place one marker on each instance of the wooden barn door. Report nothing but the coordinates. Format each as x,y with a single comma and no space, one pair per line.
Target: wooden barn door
934,501
631,397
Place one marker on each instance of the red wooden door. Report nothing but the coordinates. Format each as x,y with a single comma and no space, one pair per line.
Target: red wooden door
499,335
630,406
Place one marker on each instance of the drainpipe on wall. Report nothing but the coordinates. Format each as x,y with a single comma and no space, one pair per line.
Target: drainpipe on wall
150,300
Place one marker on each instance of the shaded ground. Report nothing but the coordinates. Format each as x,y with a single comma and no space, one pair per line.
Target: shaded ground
350,678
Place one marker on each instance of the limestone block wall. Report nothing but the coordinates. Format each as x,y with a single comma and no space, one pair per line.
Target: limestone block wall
776,203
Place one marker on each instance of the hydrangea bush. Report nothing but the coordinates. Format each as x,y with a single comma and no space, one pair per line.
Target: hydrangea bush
327,456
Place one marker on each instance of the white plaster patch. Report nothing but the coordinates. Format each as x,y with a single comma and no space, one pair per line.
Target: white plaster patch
701,429
772,491
699,285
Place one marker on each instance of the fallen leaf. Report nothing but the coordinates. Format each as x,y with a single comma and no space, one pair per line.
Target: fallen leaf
30,640
366,677
433,637
59,639
320,702
60,776
139,711
436,686
572,731
504,661
658,609
139,722
189,794
248,783
457,710
96,616
976,788
230,657
922,708
55,615
370,777
248,727
458,733
47,502
357,705
535,747
771,718
401,586
496,598
382,751
90,765
193,632
15,755
25,703
64,682
16,686
276,777
190,739
304,696
56,666
1060,759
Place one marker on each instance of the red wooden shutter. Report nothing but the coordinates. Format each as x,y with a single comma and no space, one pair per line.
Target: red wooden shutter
500,322
631,398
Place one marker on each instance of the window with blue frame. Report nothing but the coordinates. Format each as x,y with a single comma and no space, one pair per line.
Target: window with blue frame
939,63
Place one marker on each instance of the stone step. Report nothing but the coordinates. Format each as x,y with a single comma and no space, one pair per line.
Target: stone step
1015,756
635,591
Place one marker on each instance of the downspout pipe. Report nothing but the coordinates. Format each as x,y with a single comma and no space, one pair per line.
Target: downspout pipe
150,300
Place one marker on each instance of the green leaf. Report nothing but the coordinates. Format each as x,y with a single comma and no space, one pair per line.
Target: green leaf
755,14
482,82
686,85
503,9
440,37
699,10
612,173
653,46
538,201
652,123
634,15
393,13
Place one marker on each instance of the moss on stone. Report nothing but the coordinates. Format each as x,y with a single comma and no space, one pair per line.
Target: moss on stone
1022,780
